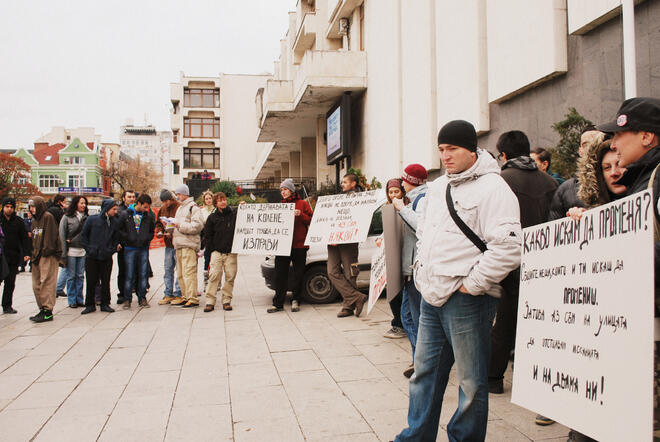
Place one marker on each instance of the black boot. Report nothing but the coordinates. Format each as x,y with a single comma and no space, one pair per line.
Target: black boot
107,308
89,309
43,316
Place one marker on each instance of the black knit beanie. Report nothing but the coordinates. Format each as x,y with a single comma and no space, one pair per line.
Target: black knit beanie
8,201
459,133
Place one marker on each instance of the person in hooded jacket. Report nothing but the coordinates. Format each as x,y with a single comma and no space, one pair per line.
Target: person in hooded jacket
46,250
219,236
303,217
16,249
73,252
100,239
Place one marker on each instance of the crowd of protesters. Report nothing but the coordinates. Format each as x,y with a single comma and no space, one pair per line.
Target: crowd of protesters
460,251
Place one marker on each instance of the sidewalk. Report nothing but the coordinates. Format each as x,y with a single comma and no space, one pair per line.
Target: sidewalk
167,373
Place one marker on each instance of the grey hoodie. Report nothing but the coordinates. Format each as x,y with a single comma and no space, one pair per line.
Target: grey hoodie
410,219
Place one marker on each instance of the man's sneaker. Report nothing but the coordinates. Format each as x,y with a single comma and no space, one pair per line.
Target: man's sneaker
543,421
344,313
190,304
43,316
294,306
144,303
274,309
496,386
60,295
209,308
107,309
409,371
126,305
227,306
178,301
166,300
395,333
8,310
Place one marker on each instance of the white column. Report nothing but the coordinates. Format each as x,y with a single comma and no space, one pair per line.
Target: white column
629,57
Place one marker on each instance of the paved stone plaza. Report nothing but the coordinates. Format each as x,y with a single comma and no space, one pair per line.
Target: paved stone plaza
167,373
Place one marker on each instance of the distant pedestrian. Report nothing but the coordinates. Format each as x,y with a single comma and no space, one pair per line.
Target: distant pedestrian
219,236
172,291
128,198
46,250
207,209
73,253
16,249
27,220
100,239
303,217
188,226
543,160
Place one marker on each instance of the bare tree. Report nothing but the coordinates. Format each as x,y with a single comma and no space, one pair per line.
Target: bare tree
132,174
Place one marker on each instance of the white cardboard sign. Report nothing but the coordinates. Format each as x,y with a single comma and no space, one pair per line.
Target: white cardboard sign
392,238
378,279
264,229
584,341
342,219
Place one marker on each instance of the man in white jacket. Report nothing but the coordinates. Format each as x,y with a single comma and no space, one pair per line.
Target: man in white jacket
186,240
460,284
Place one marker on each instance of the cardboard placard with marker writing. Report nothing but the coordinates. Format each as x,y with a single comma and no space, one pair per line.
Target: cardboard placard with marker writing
264,229
584,339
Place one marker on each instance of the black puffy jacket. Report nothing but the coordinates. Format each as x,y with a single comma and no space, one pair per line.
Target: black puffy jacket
99,235
17,242
219,230
565,198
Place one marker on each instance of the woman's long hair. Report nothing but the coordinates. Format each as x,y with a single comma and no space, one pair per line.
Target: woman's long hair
592,189
73,207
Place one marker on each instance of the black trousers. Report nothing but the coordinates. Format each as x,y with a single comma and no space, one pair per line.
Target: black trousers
395,306
97,270
121,274
503,333
9,285
299,258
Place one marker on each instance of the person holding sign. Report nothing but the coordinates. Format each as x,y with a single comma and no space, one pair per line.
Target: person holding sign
343,264
218,238
303,216
469,240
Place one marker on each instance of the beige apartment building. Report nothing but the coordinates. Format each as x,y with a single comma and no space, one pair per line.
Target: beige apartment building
410,67
150,146
213,122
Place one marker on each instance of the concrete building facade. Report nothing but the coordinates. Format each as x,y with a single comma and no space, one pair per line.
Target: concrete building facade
412,66
213,127
150,146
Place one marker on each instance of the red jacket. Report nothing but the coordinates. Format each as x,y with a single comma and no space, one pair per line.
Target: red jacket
301,223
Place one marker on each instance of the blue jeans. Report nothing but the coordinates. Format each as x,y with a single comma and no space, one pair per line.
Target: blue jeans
136,261
459,331
410,312
61,280
170,270
75,270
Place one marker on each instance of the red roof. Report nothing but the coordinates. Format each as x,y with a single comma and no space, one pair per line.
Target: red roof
45,154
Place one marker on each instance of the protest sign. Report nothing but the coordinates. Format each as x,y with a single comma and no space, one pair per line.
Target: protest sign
264,229
342,219
393,229
378,278
584,341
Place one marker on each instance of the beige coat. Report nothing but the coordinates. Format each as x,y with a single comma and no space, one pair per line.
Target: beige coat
189,218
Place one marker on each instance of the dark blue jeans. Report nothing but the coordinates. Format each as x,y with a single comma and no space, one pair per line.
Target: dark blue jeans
458,331
410,311
137,269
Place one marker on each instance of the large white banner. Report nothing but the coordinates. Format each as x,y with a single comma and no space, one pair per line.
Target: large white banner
584,342
378,278
264,229
342,219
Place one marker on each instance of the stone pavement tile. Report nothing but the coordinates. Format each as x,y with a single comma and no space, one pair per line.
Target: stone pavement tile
204,368
200,423
147,384
22,425
69,369
161,361
72,427
24,342
359,437
334,347
384,353
250,376
207,346
370,336
501,431
272,430
91,401
135,336
387,423
146,424
394,372
12,386
374,395
127,356
260,403
9,357
246,350
343,324
351,368
117,320
523,419
295,361
43,395
33,365
202,391
102,375
281,334
404,344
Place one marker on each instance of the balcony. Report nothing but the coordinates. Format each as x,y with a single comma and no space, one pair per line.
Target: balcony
339,9
176,121
305,38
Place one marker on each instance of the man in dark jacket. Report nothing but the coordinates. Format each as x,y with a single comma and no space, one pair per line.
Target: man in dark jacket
136,230
46,250
219,236
56,208
100,240
16,249
534,190
127,198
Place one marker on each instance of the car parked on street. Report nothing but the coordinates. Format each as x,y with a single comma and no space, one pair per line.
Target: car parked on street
317,288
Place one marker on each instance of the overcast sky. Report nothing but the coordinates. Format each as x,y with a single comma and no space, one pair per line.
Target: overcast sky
95,63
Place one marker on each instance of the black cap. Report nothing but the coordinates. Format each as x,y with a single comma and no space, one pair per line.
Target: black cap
459,133
640,113
8,201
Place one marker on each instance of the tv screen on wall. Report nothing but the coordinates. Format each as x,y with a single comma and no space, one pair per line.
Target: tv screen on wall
338,130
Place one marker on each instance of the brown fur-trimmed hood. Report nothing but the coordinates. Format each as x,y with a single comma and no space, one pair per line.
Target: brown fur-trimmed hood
592,190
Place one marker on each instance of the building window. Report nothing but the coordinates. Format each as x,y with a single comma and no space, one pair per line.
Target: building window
76,160
49,181
175,135
201,127
197,158
21,180
76,181
175,167
201,97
